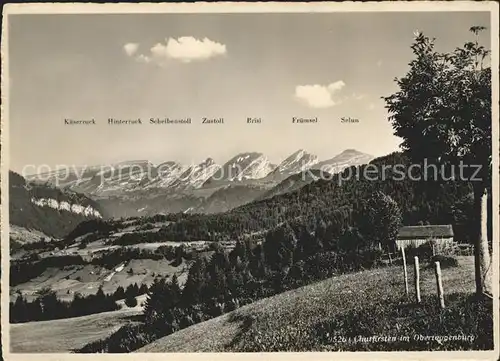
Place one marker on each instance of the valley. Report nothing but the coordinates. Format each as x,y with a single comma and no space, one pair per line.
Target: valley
144,247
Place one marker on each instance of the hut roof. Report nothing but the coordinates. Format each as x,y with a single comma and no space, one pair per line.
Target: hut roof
431,231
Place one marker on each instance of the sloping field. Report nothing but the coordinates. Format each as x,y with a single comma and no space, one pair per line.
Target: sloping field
65,335
289,313
286,319
24,235
86,279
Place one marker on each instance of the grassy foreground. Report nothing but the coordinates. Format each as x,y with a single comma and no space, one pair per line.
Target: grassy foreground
67,334
321,316
333,314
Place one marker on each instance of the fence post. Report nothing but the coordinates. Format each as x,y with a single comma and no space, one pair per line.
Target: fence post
439,284
405,271
417,280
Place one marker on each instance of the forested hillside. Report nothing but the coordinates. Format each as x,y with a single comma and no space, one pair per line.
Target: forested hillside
338,201
47,209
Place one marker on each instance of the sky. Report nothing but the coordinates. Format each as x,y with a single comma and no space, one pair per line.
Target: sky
272,66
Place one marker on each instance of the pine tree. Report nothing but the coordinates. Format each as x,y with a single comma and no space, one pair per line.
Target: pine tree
100,301
19,309
49,303
175,291
119,293
307,244
136,289
240,251
158,301
77,305
218,285
131,301
195,283
279,247
143,289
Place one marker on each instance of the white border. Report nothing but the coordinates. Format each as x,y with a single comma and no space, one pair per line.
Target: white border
228,7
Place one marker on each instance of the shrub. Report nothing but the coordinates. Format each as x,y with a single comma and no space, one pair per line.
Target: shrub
423,252
444,261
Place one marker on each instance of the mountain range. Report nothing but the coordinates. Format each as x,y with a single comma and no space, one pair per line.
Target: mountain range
139,187
252,167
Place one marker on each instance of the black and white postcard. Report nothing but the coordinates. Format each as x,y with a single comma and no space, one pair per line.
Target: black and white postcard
315,180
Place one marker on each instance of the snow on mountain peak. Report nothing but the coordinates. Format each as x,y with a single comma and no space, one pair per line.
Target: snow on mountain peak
348,158
208,162
136,163
249,165
129,176
258,168
196,175
297,162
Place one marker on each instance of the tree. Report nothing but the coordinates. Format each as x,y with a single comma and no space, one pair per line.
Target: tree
49,303
442,112
78,305
218,283
179,253
18,309
175,291
195,283
135,287
131,301
307,244
279,246
119,293
132,290
143,289
100,300
381,220
159,300
154,304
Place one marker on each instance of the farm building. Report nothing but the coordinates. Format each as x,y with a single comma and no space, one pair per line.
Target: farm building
418,235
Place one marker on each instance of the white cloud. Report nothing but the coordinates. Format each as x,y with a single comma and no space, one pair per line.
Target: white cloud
188,48
371,106
318,96
184,49
336,86
143,58
379,63
131,48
